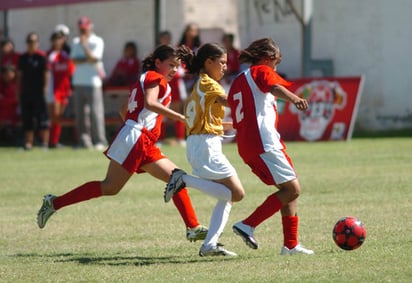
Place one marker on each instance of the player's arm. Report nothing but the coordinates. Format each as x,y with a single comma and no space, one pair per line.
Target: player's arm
151,103
222,99
227,125
282,92
46,82
123,111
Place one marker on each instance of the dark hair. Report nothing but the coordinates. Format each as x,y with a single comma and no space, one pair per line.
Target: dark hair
162,52
194,63
260,49
6,41
229,36
132,45
196,40
29,35
56,35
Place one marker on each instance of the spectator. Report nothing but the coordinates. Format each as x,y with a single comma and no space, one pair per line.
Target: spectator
8,102
191,37
233,64
127,69
66,32
59,89
164,38
87,55
8,55
32,80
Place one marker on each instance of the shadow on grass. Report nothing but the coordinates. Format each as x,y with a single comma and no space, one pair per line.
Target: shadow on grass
118,260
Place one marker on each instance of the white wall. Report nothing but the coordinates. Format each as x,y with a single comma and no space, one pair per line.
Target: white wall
369,37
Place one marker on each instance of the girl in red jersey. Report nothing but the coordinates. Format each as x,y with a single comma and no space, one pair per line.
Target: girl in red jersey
133,149
252,99
127,69
61,70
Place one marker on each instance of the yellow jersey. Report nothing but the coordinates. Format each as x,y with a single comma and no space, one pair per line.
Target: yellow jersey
203,111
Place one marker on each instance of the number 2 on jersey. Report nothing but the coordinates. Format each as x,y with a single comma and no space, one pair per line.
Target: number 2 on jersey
132,104
239,108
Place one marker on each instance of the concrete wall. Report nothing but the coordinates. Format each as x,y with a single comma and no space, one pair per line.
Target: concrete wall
369,37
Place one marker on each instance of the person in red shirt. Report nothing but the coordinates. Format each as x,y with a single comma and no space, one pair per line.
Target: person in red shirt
233,64
127,69
133,149
8,55
252,100
8,101
59,89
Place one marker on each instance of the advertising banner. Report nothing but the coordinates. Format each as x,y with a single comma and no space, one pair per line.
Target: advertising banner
333,105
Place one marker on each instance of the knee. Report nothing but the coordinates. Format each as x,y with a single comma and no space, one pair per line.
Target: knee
109,189
238,195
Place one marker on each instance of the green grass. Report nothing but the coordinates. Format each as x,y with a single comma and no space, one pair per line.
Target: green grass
136,237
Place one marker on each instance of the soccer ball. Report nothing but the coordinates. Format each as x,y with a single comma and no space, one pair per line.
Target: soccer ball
349,233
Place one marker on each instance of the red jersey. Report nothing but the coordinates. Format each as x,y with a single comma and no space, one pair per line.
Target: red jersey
254,112
126,72
10,59
8,102
61,69
136,111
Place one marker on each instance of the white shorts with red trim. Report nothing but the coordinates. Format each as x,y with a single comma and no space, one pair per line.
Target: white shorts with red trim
274,167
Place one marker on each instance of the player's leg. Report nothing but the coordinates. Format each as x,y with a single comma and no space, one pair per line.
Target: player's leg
28,127
116,178
161,169
42,117
290,221
80,102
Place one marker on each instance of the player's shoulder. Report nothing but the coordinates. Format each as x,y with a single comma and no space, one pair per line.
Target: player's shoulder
207,84
152,78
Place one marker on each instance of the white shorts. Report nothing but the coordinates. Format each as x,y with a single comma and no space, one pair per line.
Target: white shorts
204,153
273,168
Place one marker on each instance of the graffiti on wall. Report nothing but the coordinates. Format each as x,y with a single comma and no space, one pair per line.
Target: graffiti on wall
272,10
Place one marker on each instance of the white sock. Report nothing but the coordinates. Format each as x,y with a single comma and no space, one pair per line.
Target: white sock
211,188
218,221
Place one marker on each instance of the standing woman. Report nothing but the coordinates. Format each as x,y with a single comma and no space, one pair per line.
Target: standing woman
252,100
59,90
32,81
133,150
204,111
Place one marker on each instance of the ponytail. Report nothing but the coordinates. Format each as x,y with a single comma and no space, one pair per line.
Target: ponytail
195,63
260,49
162,52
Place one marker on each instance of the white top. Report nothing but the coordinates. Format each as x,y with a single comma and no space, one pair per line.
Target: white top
88,74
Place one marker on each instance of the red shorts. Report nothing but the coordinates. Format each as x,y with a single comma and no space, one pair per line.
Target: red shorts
61,97
134,148
273,167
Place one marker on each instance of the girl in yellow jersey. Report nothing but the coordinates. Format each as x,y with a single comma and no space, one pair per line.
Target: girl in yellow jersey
204,111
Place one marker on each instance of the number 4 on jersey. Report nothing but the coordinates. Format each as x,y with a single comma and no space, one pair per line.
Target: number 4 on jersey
132,104
239,108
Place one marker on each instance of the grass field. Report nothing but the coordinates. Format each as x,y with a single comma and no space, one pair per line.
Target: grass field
136,237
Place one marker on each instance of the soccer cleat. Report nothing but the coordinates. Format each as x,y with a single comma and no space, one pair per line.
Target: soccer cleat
46,210
217,250
246,233
296,250
197,233
175,184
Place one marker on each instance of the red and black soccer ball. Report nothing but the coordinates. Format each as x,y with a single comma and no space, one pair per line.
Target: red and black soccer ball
349,233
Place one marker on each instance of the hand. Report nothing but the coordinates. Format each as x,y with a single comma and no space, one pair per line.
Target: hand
301,104
83,39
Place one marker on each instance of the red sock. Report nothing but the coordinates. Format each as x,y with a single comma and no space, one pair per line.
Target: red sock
84,192
269,207
290,231
180,129
55,131
184,205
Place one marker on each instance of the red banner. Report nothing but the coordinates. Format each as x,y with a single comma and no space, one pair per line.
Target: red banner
14,4
333,105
